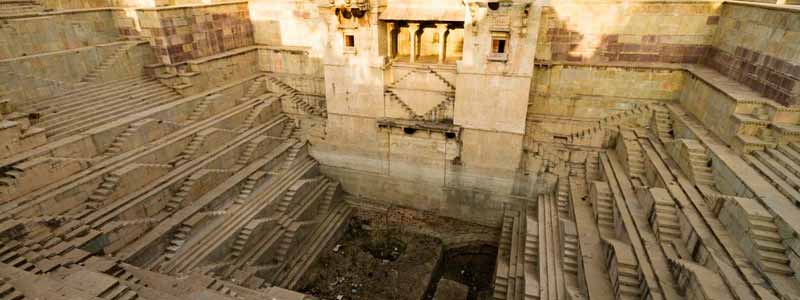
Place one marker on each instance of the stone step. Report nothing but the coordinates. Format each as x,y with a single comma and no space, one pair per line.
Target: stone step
87,89
770,246
765,235
60,132
772,267
775,257
114,292
138,90
788,163
57,118
789,152
764,225
129,295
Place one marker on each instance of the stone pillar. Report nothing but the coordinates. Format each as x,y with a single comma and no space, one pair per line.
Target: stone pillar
412,32
390,40
441,28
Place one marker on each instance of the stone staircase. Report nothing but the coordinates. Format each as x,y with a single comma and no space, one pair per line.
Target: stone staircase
177,241
781,175
632,153
288,131
286,242
592,167
662,214
325,205
698,281
19,7
248,152
219,286
698,159
757,233
96,74
123,275
531,257
119,142
442,79
8,292
294,152
317,241
570,251
219,237
119,291
176,201
441,111
510,273
249,186
611,121
552,283
9,177
764,234
623,269
100,195
562,197
296,97
242,237
191,149
200,110
252,117
602,206
95,104
661,124
287,200
411,114
506,282
15,254
255,88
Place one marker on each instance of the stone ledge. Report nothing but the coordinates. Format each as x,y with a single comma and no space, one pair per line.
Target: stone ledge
451,131
783,7
68,51
631,65
182,6
731,88
734,89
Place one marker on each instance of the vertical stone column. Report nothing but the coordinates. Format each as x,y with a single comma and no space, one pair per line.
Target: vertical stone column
442,29
390,40
412,32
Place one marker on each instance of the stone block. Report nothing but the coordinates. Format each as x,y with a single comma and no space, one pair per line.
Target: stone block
450,290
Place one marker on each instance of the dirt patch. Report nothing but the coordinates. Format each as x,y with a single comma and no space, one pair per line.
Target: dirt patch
472,266
375,263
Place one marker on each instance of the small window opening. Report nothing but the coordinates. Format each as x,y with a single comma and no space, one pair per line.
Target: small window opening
499,46
349,41
499,51
494,5
409,130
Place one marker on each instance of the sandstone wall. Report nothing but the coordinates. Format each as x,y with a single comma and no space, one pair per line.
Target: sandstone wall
571,97
288,23
596,91
295,67
759,47
34,77
182,33
590,31
221,69
75,4
56,32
